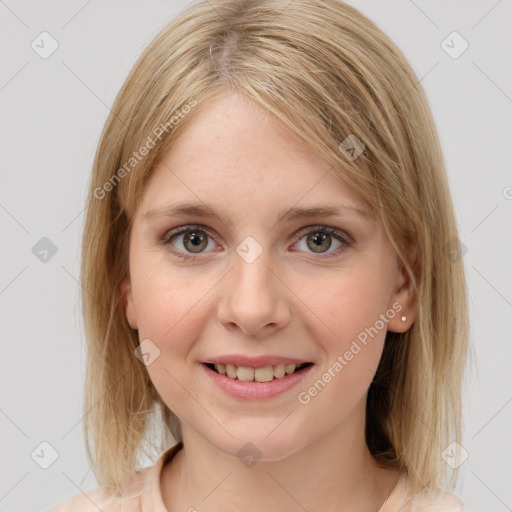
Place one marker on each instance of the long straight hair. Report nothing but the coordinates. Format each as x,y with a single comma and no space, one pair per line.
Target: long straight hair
327,72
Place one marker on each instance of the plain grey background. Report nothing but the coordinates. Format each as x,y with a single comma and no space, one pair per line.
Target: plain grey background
51,114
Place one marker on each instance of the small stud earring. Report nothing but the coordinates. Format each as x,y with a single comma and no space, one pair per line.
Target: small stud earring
404,318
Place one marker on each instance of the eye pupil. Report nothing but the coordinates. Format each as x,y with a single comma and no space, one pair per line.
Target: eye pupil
197,239
318,241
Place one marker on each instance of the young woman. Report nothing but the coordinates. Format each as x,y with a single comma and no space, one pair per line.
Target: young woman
267,275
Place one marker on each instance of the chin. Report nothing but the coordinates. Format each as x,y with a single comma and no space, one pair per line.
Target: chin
254,446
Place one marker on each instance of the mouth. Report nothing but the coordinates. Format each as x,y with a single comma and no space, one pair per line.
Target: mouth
262,374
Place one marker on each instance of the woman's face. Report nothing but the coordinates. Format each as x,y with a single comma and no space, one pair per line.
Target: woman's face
259,284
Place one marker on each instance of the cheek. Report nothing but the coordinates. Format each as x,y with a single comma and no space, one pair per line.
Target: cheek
349,308
171,307
172,315
351,334
162,313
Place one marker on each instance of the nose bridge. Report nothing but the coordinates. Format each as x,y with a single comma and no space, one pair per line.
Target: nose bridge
253,264
253,298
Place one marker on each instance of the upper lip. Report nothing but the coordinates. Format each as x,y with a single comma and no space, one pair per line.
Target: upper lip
254,362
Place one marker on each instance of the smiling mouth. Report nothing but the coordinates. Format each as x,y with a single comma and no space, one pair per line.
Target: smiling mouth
264,374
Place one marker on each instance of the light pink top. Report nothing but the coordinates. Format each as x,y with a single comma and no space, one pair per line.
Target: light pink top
145,495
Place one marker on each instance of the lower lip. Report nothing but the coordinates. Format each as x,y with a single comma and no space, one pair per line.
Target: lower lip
241,389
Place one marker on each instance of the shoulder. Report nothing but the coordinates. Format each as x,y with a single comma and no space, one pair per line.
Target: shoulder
142,492
404,500
442,501
106,501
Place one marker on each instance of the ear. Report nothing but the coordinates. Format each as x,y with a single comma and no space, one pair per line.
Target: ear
404,300
128,303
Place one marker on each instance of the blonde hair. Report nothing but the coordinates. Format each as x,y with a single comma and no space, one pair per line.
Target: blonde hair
326,71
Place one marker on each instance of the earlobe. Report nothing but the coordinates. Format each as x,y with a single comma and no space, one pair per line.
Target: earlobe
403,302
404,308
128,303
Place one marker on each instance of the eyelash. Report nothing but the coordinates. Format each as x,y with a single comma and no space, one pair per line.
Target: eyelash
170,235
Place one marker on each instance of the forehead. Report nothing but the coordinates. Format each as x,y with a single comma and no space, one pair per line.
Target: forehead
233,154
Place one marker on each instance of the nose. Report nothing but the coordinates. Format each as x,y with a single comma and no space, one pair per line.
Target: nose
254,298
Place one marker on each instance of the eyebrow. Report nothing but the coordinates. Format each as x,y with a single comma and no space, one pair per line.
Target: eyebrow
290,214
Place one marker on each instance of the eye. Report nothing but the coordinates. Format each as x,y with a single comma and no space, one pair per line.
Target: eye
194,239
190,240
319,240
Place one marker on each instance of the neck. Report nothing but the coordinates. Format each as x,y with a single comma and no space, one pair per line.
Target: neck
316,477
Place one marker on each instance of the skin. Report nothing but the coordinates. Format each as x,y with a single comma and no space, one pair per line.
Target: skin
289,301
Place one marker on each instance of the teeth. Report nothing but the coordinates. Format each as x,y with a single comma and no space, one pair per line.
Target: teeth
231,371
264,374
279,371
290,368
248,374
245,373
